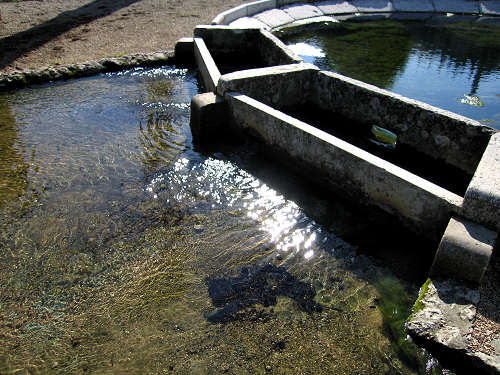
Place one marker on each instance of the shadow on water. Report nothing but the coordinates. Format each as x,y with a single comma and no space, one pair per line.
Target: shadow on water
124,275
14,46
256,285
374,232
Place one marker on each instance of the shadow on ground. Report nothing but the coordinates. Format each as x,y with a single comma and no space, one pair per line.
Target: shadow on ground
19,44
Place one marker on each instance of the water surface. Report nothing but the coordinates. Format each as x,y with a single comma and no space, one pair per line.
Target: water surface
125,250
451,65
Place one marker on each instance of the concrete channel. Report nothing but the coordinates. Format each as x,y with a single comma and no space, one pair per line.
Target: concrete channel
252,80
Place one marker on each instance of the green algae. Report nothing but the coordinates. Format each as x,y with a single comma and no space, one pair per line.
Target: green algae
419,305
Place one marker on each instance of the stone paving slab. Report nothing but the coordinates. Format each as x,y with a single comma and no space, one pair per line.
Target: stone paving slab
372,6
336,7
282,3
260,6
314,20
490,7
413,6
248,23
456,6
301,11
274,17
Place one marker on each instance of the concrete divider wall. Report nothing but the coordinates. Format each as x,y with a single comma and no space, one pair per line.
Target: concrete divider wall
443,135
422,206
209,72
473,220
252,44
274,52
276,86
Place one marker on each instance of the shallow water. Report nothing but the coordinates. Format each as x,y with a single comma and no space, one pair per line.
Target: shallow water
451,65
125,250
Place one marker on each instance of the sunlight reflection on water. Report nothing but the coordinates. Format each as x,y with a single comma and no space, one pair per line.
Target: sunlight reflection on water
221,184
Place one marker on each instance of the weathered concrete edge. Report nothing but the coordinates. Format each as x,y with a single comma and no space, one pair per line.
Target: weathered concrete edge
482,198
208,69
331,91
409,118
220,37
85,69
249,9
464,251
373,179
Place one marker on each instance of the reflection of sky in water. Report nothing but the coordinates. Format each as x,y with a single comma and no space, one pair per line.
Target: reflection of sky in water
218,184
307,51
444,83
431,76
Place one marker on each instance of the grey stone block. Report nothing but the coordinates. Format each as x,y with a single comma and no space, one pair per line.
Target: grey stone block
373,6
456,6
209,71
274,17
444,313
491,8
184,50
260,6
282,3
464,251
248,23
302,11
308,24
333,7
276,85
274,51
413,6
234,13
482,198
208,111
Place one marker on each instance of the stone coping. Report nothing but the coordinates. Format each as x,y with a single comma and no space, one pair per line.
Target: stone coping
61,72
272,14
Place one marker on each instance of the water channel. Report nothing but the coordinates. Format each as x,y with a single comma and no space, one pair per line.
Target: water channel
449,63
126,249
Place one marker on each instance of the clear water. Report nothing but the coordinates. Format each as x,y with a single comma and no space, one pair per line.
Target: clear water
454,66
125,250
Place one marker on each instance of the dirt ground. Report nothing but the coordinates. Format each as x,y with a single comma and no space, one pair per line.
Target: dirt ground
37,33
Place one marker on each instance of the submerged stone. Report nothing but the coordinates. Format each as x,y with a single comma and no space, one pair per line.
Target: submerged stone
259,284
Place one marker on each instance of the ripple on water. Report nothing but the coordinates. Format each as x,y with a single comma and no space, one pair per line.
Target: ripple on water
123,249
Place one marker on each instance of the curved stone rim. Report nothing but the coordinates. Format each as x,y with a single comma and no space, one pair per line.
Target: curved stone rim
271,14
89,68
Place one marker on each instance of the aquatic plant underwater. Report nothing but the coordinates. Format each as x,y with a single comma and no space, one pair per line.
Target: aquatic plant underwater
125,249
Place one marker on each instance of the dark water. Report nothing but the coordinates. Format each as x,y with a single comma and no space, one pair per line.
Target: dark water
125,250
455,66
